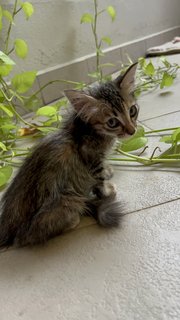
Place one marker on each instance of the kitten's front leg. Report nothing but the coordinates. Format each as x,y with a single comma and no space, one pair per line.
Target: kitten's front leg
107,172
105,190
103,172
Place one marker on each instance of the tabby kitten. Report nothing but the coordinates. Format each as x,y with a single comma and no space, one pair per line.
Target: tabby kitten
65,176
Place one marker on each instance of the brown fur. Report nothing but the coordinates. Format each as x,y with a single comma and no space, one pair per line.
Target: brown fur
65,176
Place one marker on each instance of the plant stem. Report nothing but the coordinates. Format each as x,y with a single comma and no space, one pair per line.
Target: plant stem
10,27
18,10
13,156
5,87
147,161
97,45
51,82
161,130
10,51
14,163
123,159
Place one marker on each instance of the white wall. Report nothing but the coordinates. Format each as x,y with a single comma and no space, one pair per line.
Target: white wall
54,33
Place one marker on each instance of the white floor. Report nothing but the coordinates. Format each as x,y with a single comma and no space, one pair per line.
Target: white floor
131,273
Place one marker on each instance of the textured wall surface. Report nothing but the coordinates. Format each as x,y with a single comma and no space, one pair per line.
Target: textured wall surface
55,35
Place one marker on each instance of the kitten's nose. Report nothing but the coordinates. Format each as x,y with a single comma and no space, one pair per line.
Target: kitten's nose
130,129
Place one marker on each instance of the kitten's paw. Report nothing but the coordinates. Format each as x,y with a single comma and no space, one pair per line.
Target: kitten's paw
110,190
106,190
108,172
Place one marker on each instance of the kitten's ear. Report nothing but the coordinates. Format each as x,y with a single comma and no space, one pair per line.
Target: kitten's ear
81,100
127,81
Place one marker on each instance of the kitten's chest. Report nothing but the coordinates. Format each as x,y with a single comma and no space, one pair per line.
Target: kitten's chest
92,157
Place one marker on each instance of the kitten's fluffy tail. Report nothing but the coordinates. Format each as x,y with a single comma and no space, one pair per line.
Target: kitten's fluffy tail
107,213
6,231
6,238
5,241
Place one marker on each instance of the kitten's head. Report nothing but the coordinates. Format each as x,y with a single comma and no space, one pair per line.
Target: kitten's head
111,107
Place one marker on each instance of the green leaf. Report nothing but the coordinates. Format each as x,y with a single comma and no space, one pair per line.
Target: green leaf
2,178
28,9
176,135
87,18
7,15
166,139
32,103
142,62
165,62
7,127
23,82
112,12
5,174
139,132
107,40
4,58
6,64
167,80
6,110
2,98
5,70
61,103
21,48
52,120
171,151
137,92
149,69
133,144
3,147
130,142
47,111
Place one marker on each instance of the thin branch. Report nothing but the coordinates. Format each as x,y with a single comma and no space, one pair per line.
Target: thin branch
10,27
161,130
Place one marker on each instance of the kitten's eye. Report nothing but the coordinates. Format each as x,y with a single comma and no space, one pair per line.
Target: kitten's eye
133,111
113,123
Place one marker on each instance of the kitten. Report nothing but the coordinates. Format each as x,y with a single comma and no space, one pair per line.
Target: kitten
65,176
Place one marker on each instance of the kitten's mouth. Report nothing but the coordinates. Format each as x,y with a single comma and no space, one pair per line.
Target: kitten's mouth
124,135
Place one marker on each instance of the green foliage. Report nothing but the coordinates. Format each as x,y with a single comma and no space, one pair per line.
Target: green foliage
21,48
150,77
112,12
5,59
87,18
140,139
6,110
5,174
93,21
23,82
149,69
14,95
46,111
167,80
137,141
28,9
7,15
